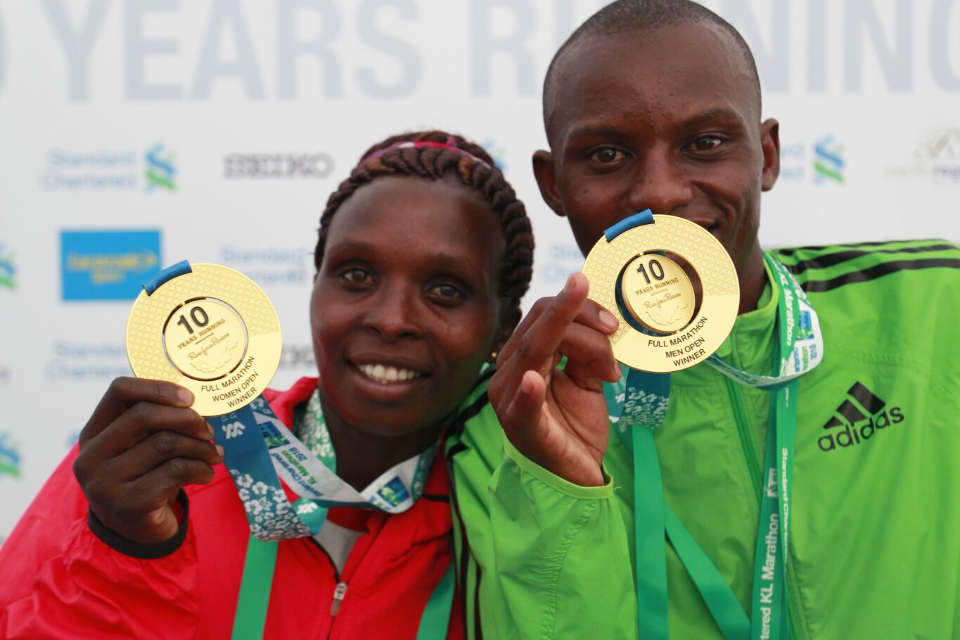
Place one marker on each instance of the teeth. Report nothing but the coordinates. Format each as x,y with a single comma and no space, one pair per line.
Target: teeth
387,374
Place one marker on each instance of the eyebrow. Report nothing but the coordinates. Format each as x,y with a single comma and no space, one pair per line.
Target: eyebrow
591,130
602,131
458,265
714,114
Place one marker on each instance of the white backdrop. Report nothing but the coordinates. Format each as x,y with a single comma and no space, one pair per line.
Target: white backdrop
137,133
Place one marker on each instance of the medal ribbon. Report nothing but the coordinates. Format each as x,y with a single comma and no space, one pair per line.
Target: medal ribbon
640,399
259,450
251,615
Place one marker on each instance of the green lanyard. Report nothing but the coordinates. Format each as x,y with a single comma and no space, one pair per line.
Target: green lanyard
800,348
769,609
253,600
251,615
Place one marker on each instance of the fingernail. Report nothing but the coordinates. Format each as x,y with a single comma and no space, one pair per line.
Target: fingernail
608,319
210,434
568,285
219,450
185,396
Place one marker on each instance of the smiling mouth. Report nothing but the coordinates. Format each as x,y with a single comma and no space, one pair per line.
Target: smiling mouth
388,374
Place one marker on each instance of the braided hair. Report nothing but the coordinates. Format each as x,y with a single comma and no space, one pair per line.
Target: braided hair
436,155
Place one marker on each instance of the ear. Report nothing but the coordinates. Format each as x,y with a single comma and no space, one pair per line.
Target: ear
770,143
509,318
546,180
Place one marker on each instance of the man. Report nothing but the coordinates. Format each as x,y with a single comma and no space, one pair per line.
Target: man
656,105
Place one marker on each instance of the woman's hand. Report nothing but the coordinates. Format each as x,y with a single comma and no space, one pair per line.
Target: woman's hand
558,418
140,446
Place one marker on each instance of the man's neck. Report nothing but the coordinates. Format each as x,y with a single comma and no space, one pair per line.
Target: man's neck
753,277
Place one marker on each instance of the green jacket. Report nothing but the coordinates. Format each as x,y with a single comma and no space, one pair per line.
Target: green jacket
875,534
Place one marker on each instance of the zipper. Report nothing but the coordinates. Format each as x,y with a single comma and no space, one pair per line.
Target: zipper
338,595
746,439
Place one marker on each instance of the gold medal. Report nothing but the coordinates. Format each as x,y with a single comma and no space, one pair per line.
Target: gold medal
211,330
649,277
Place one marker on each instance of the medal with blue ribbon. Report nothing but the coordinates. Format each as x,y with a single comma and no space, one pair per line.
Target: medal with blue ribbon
675,291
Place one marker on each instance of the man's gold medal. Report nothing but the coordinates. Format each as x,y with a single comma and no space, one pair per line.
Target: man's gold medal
673,288
211,330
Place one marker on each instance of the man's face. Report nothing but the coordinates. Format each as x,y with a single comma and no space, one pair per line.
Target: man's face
667,120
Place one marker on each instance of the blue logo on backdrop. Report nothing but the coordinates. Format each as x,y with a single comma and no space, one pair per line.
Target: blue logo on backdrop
828,163
496,152
8,270
9,456
160,170
107,265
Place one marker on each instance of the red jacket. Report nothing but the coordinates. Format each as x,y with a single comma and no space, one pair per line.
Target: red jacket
59,580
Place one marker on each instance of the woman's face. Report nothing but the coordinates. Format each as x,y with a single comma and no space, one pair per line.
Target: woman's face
405,309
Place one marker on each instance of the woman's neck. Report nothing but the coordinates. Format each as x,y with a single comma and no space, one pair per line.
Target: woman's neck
363,456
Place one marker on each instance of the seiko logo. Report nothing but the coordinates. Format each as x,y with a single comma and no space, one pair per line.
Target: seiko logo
858,418
277,165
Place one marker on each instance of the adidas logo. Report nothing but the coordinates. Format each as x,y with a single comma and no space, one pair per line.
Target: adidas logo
861,414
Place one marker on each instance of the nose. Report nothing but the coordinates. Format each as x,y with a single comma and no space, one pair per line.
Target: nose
660,184
393,312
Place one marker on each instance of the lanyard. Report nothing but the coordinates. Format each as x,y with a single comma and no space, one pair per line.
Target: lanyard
302,469
640,399
251,615
259,450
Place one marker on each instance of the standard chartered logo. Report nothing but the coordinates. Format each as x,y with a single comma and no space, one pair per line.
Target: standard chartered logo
828,163
7,269
9,456
160,170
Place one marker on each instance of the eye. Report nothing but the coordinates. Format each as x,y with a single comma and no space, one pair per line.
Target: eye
705,143
356,277
607,157
445,293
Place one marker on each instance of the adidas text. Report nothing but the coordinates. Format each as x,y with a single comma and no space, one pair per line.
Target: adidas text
860,431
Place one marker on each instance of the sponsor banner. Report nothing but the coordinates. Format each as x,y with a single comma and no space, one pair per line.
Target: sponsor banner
936,157
221,127
269,266
107,265
10,460
110,170
253,166
562,259
8,270
818,162
72,362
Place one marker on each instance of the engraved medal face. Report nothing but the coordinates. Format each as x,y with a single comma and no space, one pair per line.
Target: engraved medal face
658,293
213,331
673,288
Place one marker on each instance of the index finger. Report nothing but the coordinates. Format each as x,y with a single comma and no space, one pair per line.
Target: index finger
123,393
537,343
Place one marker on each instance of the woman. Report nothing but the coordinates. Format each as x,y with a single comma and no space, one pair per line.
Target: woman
422,257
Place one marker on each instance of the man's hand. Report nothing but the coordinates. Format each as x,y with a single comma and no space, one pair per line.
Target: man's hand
558,418
140,446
